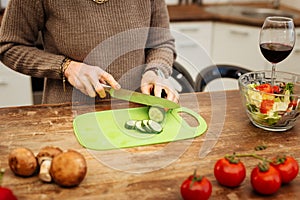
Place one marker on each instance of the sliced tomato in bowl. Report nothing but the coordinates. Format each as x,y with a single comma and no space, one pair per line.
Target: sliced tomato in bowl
266,105
264,88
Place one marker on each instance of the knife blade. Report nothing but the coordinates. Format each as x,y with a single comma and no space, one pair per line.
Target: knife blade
140,98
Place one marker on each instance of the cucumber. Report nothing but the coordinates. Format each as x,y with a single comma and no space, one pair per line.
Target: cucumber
146,126
155,126
156,113
152,125
140,127
130,124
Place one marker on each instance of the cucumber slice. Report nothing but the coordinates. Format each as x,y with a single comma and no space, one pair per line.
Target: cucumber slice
140,127
155,126
146,126
156,114
130,124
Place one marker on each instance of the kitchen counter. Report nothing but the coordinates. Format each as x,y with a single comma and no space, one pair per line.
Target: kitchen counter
142,172
179,13
197,13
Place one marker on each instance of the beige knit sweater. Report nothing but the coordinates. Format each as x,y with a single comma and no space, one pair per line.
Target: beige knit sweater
114,35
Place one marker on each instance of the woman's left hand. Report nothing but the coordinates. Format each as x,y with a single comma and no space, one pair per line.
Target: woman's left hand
158,86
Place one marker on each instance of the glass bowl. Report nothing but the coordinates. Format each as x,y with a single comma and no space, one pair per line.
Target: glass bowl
273,108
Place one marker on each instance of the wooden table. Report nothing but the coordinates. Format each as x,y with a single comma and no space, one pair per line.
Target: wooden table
147,172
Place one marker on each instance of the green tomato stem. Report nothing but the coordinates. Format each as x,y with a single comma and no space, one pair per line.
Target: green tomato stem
253,156
264,166
195,178
2,170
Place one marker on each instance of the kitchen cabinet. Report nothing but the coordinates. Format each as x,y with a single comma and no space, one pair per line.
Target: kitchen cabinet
15,88
291,63
193,44
223,43
172,2
3,4
228,44
237,45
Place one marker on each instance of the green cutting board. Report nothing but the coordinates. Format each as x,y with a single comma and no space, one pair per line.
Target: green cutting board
105,130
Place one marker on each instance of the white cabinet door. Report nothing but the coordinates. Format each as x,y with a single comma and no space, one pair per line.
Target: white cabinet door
292,62
15,88
193,44
172,2
238,45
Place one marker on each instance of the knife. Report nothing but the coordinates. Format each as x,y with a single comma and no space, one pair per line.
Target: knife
140,98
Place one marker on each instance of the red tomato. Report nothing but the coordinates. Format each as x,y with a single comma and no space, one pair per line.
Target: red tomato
228,173
287,166
6,194
265,181
275,89
264,88
268,88
293,104
196,188
266,105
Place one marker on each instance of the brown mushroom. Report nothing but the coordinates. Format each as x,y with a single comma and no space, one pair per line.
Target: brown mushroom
68,169
45,157
22,162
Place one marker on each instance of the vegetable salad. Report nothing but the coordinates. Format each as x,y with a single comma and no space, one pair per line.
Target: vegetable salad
267,103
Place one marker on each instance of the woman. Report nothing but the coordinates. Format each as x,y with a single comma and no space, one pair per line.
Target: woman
89,42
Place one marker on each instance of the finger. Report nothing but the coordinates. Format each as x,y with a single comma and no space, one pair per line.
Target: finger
78,85
158,90
88,87
97,86
146,89
171,94
176,96
108,78
100,90
172,97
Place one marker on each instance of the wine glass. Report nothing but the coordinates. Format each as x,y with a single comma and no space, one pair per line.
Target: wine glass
277,40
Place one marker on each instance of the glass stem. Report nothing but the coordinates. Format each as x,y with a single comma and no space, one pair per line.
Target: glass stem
273,74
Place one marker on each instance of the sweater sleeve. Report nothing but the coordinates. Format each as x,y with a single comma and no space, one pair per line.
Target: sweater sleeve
22,23
160,45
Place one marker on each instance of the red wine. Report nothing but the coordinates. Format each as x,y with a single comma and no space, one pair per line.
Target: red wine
275,52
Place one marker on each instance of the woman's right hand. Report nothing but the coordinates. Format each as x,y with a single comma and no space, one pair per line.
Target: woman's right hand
88,79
